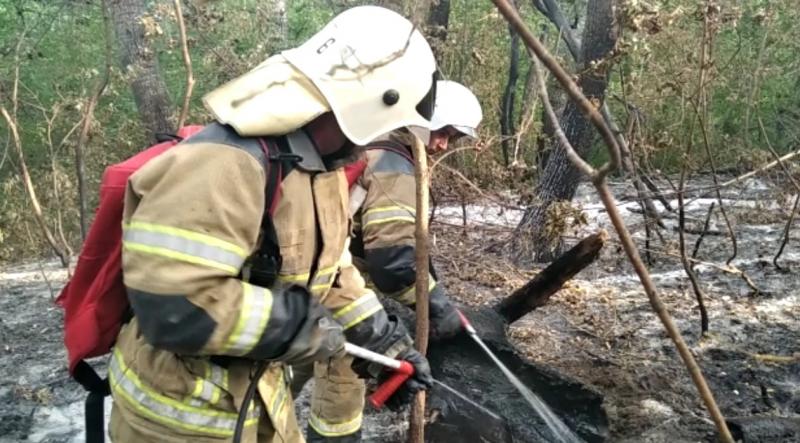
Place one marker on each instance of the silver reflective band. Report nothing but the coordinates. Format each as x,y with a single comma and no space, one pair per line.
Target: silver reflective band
169,411
253,319
180,247
358,310
329,429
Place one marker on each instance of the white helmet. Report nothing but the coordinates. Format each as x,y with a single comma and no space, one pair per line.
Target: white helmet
368,65
456,106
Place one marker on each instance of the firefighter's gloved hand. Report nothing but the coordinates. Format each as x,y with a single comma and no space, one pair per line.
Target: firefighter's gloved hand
319,337
444,320
422,380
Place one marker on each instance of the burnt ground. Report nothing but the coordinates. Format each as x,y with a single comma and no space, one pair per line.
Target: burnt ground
599,330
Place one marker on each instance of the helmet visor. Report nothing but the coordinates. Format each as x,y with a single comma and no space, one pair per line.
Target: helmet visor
428,103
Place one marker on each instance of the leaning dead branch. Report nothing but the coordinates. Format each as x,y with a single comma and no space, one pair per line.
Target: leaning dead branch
187,62
790,177
687,266
83,137
598,178
786,230
24,174
417,418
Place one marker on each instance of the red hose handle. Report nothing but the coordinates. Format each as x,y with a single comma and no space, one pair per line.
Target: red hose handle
390,386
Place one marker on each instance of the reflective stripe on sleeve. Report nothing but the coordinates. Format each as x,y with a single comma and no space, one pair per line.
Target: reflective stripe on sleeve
358,310
387,214
253,319
329,429
168,411
183,245
409,296
323,279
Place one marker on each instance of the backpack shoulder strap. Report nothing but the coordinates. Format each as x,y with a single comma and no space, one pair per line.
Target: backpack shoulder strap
392,146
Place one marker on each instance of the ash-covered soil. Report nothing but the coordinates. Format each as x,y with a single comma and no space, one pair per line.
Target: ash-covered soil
599,330
602,330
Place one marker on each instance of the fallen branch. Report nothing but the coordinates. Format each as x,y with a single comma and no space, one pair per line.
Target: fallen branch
540,288
598,177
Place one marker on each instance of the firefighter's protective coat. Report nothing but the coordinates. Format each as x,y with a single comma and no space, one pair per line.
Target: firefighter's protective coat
181,366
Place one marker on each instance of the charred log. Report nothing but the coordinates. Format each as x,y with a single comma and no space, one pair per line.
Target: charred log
538,291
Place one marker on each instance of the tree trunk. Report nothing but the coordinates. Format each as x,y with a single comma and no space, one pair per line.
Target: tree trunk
278,28
507,130
438,23
559,179
139,63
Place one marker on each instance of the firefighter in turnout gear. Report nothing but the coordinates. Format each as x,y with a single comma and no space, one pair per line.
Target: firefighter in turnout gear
383,201
223,276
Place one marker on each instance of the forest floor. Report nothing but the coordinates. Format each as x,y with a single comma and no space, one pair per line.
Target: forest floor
600,329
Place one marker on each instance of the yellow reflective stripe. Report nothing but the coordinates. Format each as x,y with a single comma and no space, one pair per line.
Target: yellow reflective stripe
160,408
409,296
390,208
154,250
279,396
324,279
329,429
387,214
358,310
294,278
189,235
390,219
253,319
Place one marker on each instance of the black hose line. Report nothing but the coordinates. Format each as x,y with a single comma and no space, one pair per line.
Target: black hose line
248,398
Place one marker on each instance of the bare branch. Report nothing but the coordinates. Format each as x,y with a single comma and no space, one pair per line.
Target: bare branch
187,61
786,231
598,179
83,137
687,267
417,419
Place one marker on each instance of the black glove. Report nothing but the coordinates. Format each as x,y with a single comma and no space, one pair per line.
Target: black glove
421,380
319,337
444,320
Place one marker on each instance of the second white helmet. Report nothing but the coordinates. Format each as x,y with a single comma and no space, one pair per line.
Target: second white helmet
456,106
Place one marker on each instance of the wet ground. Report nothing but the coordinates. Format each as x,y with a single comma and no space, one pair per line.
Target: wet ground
599,331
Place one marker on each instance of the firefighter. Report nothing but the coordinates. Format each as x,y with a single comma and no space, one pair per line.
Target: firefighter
222,276
383,201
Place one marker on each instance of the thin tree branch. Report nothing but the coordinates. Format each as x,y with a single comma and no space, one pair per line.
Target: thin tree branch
187,62
687,267
83,137
598,179
417,419
704,231
786,232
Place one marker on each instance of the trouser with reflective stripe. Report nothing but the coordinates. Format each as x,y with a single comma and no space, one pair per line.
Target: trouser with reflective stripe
337,400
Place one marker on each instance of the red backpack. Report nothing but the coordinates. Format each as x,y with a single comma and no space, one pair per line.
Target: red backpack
94,299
